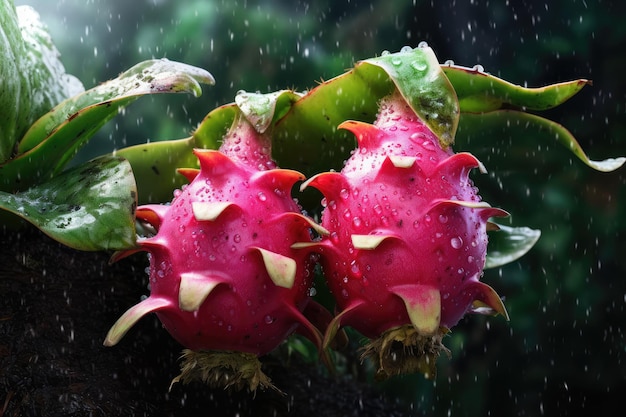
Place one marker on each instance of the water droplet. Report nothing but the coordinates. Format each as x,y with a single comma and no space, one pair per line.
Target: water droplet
419,66
460,271
470,259
268,319
427,218
356,222
416,224
385,52
456,242
312,292
396,61
354,269
428,144
181,228
478,68
422,44
406,49
344,293
449,63
344,193
261,195
443,219
237,238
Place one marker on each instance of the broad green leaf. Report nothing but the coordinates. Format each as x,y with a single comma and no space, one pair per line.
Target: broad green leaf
303,126
33,79
49,83
11,83
155,164
89,207
148,77
479,91
522,126
508,244
53,140
214,126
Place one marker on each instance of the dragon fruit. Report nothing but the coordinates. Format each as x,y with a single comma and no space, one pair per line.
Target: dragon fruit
407,240
224,279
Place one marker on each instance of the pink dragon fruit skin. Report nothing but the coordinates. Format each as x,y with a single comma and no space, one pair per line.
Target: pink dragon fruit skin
407,231
223,275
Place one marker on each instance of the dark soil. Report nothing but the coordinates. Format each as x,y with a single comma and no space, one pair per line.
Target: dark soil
56,306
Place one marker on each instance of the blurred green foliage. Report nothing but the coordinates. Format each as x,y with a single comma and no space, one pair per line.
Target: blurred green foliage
564,350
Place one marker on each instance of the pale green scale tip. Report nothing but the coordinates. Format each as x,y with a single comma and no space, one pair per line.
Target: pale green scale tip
208,211
194,289
317,227
423,305
402,161
368,242
281,269
132,316
488,302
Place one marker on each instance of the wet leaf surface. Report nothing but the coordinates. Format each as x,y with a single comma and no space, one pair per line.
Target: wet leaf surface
90,207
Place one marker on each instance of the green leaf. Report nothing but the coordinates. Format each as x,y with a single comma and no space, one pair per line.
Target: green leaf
522,126
303,126
155,167
89,207
53,140
11,47
479,91
419,78
148,77
33,77
309,129
263,109
508,244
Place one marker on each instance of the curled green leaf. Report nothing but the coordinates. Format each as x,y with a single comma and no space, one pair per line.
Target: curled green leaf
521,126
508,244
54,139
89,207
148,77
479,91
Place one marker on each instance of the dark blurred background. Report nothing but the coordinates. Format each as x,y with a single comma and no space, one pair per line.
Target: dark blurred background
564,351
